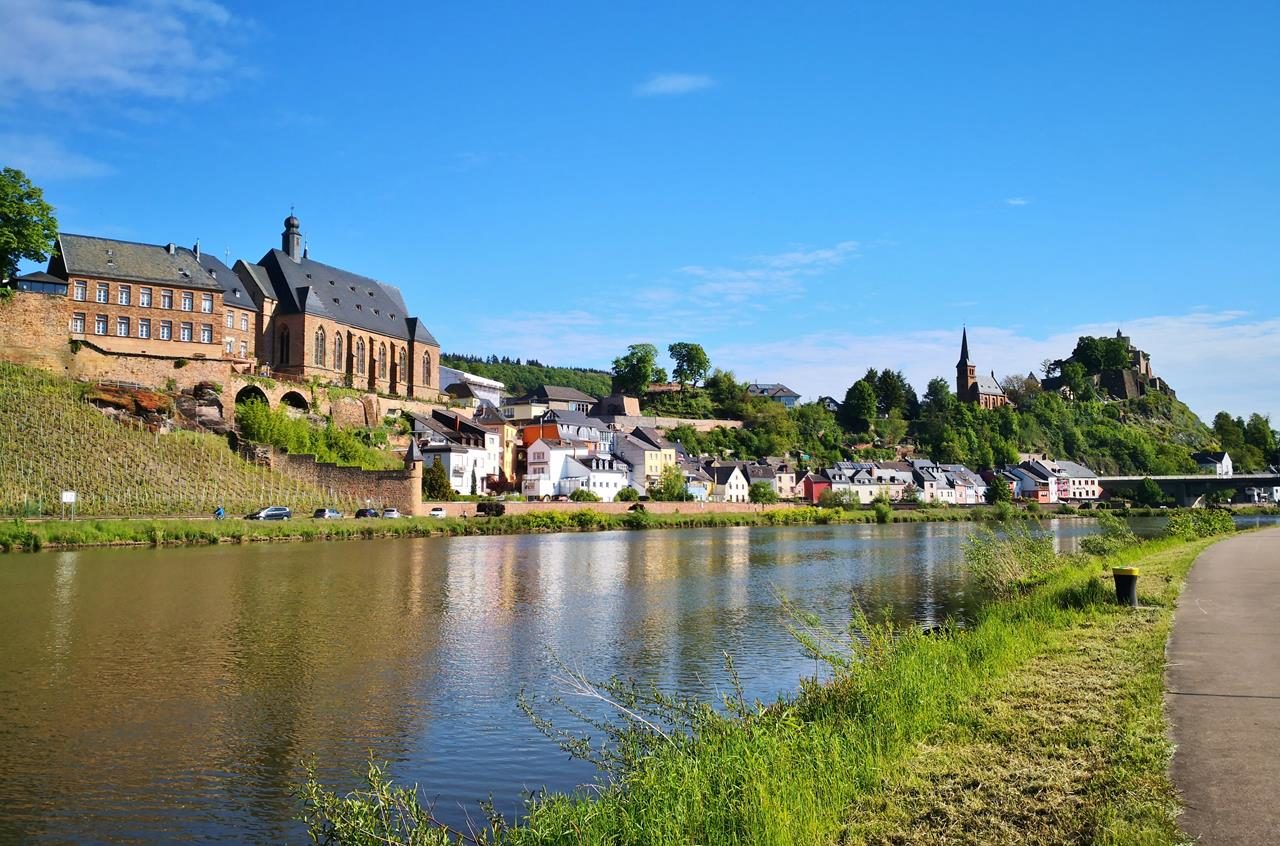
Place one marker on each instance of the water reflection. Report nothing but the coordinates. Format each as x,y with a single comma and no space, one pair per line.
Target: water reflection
171,695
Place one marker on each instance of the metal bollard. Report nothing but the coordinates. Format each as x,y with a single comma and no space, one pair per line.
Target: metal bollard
1126,585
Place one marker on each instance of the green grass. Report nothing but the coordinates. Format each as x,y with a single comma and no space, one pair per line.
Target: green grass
1040,722
52,440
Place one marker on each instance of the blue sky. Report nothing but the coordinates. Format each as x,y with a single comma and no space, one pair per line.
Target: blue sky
806,191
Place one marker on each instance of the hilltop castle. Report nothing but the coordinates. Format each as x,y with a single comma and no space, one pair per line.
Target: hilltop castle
1122,383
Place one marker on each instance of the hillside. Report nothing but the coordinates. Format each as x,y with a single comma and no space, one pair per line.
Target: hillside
52,440
520,378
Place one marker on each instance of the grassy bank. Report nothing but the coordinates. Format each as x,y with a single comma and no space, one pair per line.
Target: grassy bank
31,536
1038,722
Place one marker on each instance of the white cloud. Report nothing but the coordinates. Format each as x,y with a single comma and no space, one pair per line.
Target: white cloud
667,84
156,48
45,159
1214,360
1016,201
767,276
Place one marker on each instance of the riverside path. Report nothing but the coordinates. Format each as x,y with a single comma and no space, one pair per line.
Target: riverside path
1222,692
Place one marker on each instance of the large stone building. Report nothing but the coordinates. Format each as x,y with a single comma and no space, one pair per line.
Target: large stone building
972,387
316,320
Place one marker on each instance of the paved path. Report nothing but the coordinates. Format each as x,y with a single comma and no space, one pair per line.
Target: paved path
1223,692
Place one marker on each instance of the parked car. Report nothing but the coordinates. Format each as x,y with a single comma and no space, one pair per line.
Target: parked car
391,513
368,512
438,512
271,512
327,514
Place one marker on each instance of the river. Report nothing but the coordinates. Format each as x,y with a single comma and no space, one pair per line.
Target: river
166,695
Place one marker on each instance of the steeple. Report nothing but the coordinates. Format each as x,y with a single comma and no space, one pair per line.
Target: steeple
291,238
964,348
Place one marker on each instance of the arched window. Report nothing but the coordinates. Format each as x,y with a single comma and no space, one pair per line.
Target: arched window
360,360
382,361
322,347
283,358
424,378
338,362
402,366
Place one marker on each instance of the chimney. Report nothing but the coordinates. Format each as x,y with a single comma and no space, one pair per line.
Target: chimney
171,248
196,248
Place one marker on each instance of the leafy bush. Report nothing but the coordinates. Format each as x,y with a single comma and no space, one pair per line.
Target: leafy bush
1115,536
627,494
762,492
277,427
831,498
884,512
1200,523
584,495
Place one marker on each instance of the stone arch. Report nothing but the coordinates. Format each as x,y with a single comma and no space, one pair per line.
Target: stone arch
322,348
252,393
293,399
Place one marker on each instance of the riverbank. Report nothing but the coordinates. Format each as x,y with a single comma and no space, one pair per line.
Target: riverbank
32,536
1040,721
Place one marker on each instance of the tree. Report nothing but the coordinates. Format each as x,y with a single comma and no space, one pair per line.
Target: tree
762,492
670,486
858,412
1149,493
474,485
893,428
28,228
728,396
891,392
937,397
633,372
998,490
627,494
435,483
584,495
1021,390
691,362
1259,434
1076,379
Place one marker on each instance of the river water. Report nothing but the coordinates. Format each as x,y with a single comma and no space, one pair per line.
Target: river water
171,695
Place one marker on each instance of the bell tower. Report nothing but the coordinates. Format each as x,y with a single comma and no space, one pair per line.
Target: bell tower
966,372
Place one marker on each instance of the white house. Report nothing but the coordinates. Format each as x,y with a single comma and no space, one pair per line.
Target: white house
475,387
1217,463
467,451
546,460
1084,485
599,474
729,484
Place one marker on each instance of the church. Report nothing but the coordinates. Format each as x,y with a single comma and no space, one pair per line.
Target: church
973,388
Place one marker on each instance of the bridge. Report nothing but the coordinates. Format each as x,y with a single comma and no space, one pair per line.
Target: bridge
1191,490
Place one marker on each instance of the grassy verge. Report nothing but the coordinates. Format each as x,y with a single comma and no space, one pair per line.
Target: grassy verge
1040,722
29,536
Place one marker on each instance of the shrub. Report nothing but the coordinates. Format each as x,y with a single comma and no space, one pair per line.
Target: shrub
1199,523
762,492
884,512
179,363
1033,507
1115,536
627,494
1001,566
584,495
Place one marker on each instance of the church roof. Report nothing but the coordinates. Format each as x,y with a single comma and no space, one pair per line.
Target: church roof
129,261
964,348
988,386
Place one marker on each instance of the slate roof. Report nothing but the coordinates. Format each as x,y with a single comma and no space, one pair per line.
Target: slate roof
234,292
770,389
722,475
572,418
556,393
1209,457
129,261
988,386
652,436
311,287
1076,471
759,472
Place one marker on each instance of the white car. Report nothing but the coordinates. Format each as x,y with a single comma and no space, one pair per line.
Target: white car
438,512
391,513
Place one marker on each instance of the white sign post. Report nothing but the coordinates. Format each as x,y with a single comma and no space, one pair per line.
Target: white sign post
69,498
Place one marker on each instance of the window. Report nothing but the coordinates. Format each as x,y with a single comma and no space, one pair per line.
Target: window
206,303
382,361
360,360
144,297
184,332
402,366
144,327
244,349
321,348
100,325
424,378
338,362
166,299
228,345
124,294
206,333
102,296
231,319
166,330
81,291
77,322
187,300
284,345
244,323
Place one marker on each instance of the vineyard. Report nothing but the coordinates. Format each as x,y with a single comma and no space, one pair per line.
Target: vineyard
52,439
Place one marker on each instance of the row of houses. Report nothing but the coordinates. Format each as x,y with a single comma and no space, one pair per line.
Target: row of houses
1036,479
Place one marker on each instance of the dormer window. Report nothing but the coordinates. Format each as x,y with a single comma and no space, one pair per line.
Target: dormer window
359,307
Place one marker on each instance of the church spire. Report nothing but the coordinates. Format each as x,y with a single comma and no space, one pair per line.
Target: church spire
964,348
